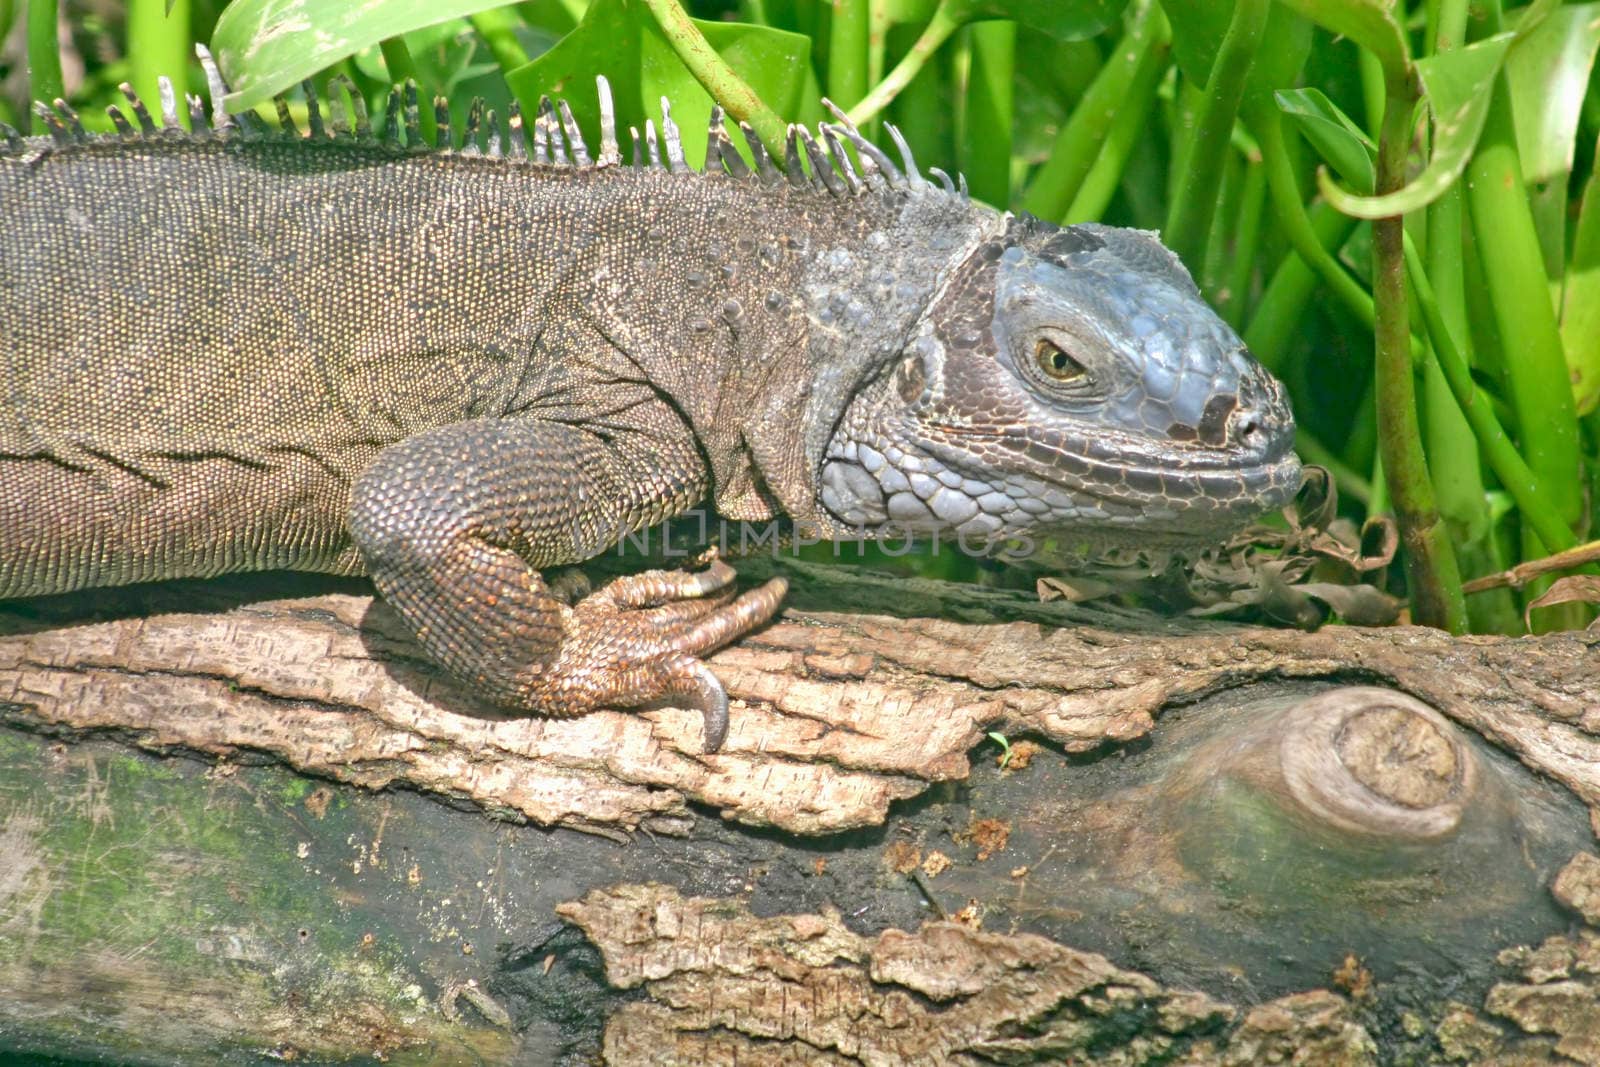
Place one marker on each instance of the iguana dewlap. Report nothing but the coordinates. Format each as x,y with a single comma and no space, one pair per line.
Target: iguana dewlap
242,348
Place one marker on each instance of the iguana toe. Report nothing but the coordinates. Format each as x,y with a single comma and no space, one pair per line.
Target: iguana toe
627,646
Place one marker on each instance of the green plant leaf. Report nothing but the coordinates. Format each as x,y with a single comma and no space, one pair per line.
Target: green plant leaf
1065,20
1548,72
443,55
1458,85
622,41
1005,747
1342,144
1198,27
1197,30
265,47
1369,23
1285,46
902,11
1580,311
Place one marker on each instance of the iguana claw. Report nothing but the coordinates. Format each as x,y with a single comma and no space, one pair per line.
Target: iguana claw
648,630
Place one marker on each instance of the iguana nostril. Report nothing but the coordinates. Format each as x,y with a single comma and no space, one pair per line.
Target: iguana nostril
1215,419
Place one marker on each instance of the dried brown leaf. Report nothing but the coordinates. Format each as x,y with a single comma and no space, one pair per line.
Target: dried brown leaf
1574,587
1073,588
1359,605
1317,503
1290,572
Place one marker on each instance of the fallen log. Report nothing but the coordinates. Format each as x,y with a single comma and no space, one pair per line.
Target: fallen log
302,889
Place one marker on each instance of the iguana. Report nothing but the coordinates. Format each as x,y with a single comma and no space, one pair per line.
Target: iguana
454,366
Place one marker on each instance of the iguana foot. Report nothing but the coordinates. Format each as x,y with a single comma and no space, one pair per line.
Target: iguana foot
494,624
455,524
639,639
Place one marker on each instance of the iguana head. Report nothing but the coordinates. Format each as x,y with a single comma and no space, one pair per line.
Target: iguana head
1068,382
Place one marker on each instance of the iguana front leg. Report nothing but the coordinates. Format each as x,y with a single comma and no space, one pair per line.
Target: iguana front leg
454,524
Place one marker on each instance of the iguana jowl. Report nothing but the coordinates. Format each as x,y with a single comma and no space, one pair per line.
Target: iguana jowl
241,348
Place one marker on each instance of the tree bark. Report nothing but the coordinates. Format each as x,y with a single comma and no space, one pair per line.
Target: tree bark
300,891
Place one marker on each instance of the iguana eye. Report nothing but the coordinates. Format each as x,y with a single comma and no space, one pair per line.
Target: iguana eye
1056,363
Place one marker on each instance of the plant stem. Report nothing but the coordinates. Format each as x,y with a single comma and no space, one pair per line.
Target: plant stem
1267,124
938,30
1577,557
1435,581
1278,317
921,111
1506,239
985,145
1207,147
1515,475
719,79
1236,288
1450,25
397,58
1209,272
1540,392
1580,309
158,44
878,25
44,56
1455,456
1139,55
847,52
1131,120
1448,438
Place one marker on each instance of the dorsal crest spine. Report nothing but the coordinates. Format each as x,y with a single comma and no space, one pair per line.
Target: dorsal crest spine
818,162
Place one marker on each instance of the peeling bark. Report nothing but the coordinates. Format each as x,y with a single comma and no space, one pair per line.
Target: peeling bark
430,932
727,987
836,716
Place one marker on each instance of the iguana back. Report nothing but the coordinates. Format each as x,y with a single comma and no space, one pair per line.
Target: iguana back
212,336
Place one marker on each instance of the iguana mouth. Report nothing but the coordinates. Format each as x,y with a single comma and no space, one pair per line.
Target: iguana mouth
1277,453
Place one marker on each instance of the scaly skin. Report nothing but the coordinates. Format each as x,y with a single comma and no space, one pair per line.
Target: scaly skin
1162,431
239,350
